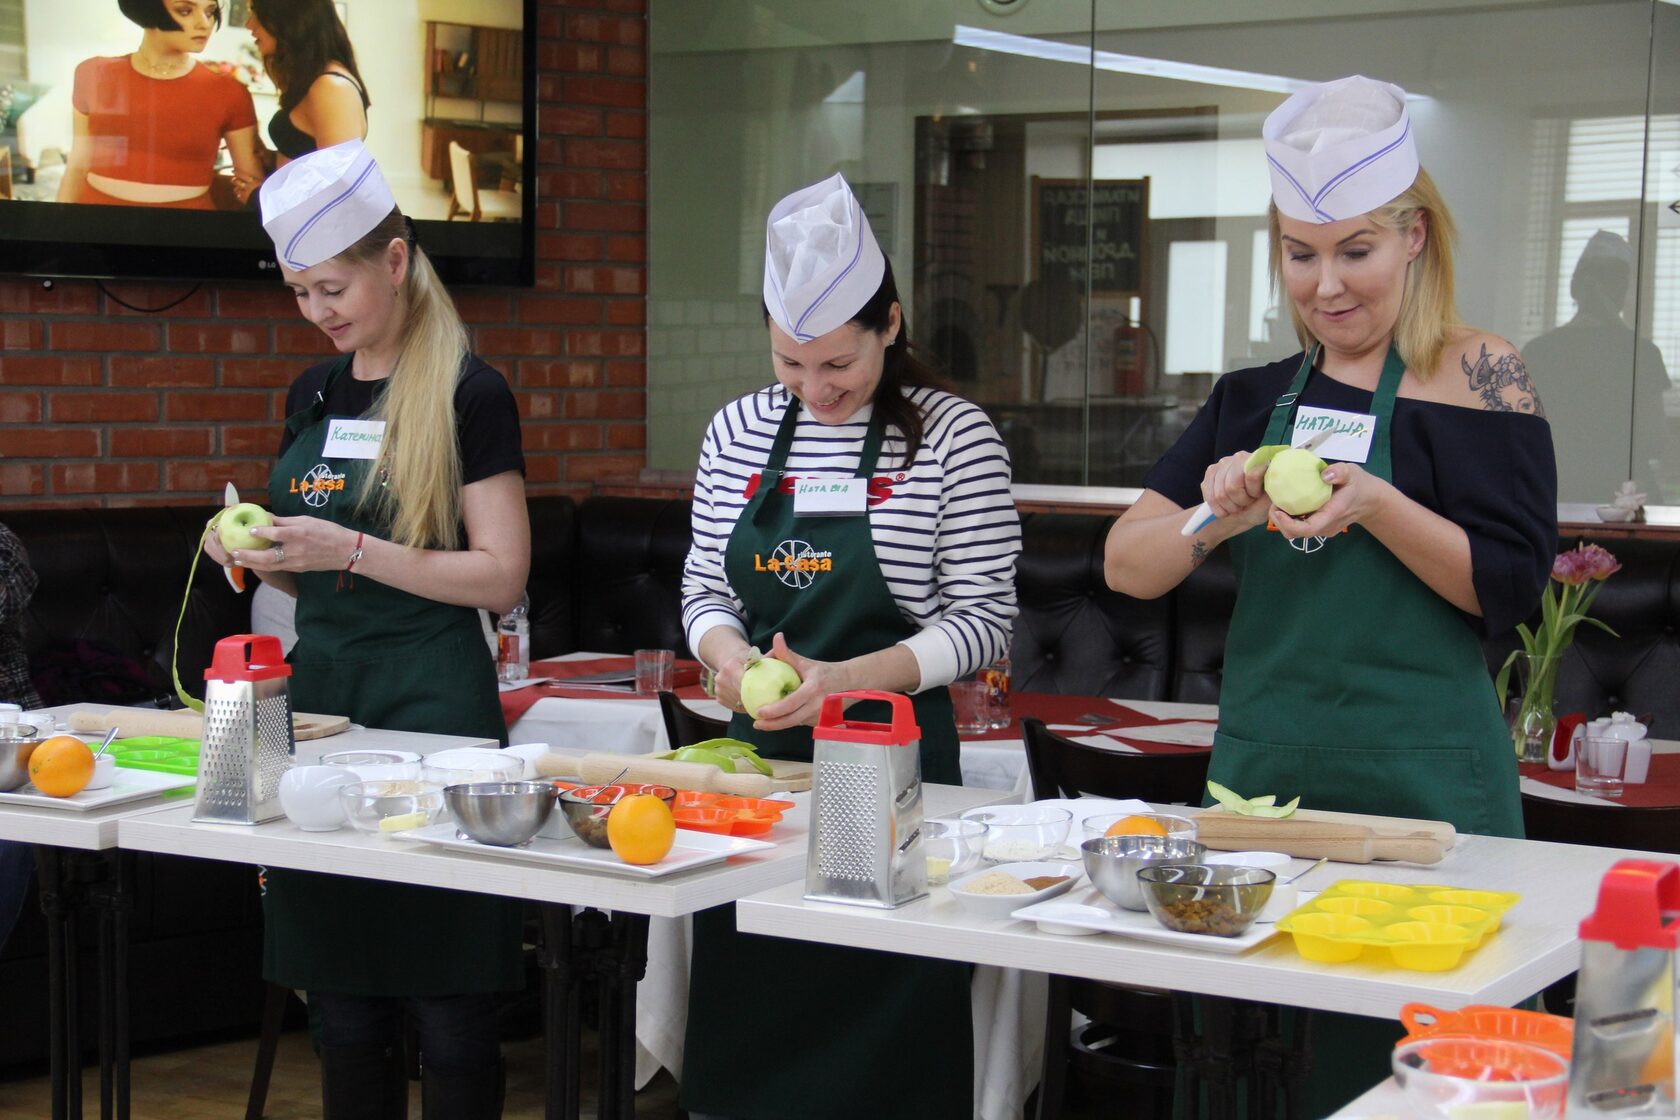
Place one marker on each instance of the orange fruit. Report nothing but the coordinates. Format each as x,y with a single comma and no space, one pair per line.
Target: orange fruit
641,829
1136,826
61,766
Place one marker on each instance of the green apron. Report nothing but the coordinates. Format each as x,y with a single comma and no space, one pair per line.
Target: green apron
848,1032
392,660
1349,682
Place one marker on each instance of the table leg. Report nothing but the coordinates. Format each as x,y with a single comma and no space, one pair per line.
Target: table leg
56,908
562,1015
110,897
619,976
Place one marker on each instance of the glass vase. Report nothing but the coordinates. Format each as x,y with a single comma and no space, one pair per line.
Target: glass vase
1532,721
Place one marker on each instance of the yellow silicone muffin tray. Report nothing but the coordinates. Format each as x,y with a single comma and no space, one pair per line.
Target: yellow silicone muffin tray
1422,928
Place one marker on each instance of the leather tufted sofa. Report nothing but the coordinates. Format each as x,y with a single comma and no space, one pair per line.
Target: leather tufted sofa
606,575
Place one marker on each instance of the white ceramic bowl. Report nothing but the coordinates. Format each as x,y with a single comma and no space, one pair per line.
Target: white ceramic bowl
104,772
1285,896
470,766
377,766
1000,906
309,796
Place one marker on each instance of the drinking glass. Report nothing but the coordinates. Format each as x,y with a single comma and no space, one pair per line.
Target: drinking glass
1600,765
996,677
969,700
655,670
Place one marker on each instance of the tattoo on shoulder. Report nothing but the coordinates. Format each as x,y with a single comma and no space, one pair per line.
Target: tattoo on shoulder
1503,383
1198,553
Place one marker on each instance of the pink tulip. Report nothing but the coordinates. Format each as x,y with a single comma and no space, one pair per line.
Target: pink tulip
1603,564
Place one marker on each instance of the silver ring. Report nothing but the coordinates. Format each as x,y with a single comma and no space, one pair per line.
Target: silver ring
279,554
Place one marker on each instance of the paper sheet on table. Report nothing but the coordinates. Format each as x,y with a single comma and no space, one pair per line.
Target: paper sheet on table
1169,709
1558,793
1183,734
1104,743
515,686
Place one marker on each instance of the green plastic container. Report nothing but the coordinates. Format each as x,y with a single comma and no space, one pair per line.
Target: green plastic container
162,753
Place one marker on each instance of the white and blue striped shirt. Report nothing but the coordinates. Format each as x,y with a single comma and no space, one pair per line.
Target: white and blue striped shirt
947,536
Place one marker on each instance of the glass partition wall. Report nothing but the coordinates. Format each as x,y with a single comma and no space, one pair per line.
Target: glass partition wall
1073,196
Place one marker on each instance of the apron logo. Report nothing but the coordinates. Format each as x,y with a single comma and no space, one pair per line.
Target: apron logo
315,487
795,563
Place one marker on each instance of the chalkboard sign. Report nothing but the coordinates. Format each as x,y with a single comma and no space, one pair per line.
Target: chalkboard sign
1117,212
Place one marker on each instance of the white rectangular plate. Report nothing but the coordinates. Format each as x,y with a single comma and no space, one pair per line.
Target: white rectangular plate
691,849
1096,913
128,785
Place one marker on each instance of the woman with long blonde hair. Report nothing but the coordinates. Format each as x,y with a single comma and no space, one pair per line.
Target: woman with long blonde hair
401,504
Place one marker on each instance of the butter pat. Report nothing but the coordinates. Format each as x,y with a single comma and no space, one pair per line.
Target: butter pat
402,822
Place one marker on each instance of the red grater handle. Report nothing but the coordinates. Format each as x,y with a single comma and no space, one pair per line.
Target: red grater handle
1638,901
248,657
902,731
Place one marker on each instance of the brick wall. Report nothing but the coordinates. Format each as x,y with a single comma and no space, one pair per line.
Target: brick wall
100,405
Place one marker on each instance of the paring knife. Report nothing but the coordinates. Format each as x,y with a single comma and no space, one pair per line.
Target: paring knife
234,573
1201,515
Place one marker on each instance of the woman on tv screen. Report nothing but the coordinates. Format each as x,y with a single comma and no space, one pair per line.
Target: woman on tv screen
323,100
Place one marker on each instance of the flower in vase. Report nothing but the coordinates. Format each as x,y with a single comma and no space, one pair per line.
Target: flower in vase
1577,577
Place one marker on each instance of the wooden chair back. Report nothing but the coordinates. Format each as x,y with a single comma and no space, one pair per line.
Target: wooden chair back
1061,767
684,727
1610,826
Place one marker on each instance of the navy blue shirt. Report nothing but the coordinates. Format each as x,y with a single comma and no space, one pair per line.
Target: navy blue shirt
1491,473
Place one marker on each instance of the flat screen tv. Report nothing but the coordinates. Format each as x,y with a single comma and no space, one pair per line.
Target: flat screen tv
451,120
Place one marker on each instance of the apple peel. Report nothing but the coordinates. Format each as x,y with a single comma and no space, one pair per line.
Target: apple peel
1264,806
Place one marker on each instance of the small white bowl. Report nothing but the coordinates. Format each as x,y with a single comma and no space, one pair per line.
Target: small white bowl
1616,513
377,766
104,772
1270,861
1000,906
1046,918
466,765
530,752
309,796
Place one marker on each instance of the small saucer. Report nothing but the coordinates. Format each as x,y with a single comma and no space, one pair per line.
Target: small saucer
1049,911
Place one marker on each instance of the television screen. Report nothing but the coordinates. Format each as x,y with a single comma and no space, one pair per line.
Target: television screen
131,130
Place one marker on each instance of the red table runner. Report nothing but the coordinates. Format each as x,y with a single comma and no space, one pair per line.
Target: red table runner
517,702
1661,787
1054,708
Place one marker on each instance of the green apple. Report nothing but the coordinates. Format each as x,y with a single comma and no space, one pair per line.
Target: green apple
235,523
1295,481
766,681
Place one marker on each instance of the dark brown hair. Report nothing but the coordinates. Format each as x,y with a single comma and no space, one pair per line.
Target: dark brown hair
308,38
155,14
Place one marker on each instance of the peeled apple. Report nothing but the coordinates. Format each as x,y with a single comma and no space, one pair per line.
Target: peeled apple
1295,481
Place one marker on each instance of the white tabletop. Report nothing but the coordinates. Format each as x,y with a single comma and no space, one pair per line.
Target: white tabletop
1536,946
372,856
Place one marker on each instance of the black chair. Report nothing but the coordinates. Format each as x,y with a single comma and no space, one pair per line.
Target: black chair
685,727
1138,1038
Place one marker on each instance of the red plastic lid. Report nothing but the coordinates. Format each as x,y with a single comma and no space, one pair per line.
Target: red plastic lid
1638,906
1564,733
248,657
901,732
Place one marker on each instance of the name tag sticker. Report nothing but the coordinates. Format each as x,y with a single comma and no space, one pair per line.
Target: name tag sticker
830,497
1351,441
353,439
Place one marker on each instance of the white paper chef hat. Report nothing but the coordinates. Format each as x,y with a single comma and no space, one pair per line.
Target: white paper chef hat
322,203
1340,149
821,260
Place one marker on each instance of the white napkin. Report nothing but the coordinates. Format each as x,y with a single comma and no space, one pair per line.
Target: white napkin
1169,709
1104,743
1183,734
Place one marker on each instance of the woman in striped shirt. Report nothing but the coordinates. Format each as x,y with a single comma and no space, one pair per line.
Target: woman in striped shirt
898,577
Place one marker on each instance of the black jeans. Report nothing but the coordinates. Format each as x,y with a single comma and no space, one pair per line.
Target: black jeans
361,1039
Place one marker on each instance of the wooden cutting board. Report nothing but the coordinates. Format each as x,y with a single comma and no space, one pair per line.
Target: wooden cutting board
789,777
1341,841
1401,826
185,724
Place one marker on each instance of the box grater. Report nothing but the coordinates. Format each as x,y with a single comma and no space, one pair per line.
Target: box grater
866,806
1625,1046
247,737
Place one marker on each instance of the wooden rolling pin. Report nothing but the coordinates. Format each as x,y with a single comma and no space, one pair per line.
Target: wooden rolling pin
594,769
1344,843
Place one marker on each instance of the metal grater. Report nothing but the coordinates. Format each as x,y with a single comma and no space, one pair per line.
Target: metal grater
247,739
1625,1049
866,807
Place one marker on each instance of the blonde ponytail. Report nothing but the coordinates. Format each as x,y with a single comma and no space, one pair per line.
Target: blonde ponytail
416,481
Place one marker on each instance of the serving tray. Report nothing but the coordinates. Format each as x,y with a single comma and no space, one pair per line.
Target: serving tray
690,850
128,785
1089,910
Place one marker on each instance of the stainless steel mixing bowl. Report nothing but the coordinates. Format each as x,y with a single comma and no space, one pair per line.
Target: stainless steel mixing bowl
505,814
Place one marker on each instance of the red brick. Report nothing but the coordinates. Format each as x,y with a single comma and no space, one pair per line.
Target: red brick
175,301
617,93
557,310
605,343
538,406
572,184
84,408
547,277
48,297
19,408
539,469
560,373
161,443
569,120
618,155
570,57
104,478
605,216
260,373
626,437
301,338
250,439
625,31
50,443
549,24
484,307
627,188
606,406
76,334
623,374
626,312
547,215
213,407
627,126
568,247
42,370
548,149
562,437
625,247
627,7
20,334
19,479
627,62
211,475
162,372
519,342
605,281
272,301
594,468
218,338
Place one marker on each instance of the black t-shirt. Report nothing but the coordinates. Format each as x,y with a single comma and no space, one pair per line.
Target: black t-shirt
486,418
1491,473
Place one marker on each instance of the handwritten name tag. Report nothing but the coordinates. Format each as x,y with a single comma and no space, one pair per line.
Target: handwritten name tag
353,439
1351,441
830,497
